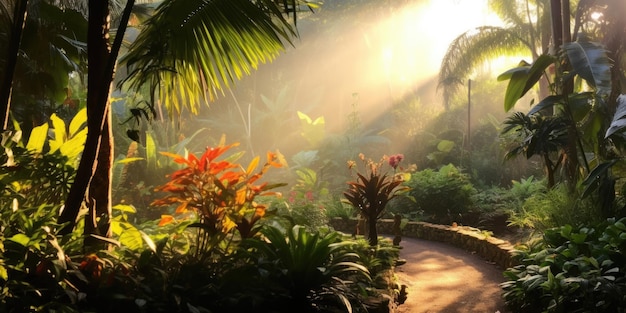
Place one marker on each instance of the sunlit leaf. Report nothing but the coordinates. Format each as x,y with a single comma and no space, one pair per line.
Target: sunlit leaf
125,208
253,164
151,154
60,135
37,138
445,145
129,160
75,146
78,122
3,273
148,241
131,238
21,239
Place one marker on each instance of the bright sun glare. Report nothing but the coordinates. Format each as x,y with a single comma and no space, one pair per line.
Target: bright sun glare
383,57
422,34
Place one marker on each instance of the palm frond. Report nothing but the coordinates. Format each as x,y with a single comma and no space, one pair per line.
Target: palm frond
511,12
473,48
189,51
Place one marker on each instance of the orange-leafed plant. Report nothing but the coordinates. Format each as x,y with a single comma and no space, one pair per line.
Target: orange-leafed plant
373,189
220,192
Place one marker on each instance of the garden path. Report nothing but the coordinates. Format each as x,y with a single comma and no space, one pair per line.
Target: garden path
445,279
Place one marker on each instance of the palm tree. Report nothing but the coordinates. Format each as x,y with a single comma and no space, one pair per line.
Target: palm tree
527,30
545,136
186,53
190,49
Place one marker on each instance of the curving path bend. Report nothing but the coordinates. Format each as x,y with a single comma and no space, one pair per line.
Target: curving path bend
445,279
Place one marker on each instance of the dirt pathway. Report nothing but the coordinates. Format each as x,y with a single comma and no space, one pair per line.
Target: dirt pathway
445,279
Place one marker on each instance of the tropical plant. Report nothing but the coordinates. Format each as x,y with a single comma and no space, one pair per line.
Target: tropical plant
586,88
51,42
221,193
553,207
373,189
255,30
443,196
526,30
313,271
572,269
36,272
538,135
41,171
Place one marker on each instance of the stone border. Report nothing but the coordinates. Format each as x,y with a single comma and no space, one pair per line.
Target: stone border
471,239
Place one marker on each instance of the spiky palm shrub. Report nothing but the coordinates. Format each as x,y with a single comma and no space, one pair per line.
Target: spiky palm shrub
307,271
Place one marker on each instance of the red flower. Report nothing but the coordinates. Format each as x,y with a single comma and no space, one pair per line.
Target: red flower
395,160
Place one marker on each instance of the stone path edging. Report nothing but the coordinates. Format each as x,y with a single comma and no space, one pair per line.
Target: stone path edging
471,239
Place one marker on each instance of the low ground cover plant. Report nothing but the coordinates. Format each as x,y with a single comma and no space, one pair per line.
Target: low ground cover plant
571,269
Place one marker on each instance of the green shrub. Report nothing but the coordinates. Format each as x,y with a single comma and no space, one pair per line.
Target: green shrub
33,264
547,208
338,208
572,269
443,196
302,271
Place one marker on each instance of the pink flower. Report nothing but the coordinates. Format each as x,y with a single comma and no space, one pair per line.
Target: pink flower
395,160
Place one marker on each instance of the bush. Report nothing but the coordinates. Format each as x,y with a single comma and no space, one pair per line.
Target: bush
572,269
443,196
547,208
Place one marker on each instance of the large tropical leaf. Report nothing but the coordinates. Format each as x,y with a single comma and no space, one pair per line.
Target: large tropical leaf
190,50
618,123
589,60
523,78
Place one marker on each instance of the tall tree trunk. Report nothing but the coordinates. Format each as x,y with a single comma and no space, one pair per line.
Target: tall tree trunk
560,13
15,37
94,170
98,217
98,84
572,163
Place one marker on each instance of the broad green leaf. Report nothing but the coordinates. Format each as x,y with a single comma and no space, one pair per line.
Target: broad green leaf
131,238
523,78
60,135
546,103
125,208
3,273
515,88
445,146
77,122
578,238
312,131
21,239
37,138
590,61
75,146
